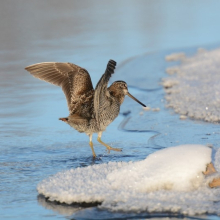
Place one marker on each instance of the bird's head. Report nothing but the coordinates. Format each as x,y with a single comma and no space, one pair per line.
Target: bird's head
119,90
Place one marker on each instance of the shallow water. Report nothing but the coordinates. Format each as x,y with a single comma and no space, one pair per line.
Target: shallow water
34,143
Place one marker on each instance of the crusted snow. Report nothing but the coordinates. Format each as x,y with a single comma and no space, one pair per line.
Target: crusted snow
194,89
167,180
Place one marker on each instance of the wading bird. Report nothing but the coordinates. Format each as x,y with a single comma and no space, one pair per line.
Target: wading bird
90,111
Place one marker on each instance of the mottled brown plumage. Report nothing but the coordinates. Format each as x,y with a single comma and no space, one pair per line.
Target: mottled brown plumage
90,111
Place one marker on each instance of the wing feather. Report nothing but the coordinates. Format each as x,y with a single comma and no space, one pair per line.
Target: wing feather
74,80
101,88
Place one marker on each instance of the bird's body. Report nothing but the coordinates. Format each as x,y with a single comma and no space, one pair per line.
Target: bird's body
90,111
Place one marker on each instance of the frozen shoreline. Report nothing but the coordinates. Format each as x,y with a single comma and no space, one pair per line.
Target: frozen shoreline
193,88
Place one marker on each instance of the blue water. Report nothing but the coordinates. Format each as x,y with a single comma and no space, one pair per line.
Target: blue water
34,143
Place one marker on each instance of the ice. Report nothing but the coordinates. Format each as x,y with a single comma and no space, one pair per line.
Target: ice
167,180
175,168
194,90
175,56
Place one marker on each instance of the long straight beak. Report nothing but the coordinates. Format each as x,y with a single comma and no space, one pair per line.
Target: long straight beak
131,96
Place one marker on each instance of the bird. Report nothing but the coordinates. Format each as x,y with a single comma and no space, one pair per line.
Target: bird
90,110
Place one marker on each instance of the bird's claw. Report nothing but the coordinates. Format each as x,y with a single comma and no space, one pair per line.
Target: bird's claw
114,149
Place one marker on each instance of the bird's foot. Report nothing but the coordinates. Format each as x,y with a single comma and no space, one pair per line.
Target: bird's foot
107,146
111,148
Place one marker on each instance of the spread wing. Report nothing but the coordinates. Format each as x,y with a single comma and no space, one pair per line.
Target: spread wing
101,93
74,80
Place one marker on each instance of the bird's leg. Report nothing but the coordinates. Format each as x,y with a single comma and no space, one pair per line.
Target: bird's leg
107,146
91,145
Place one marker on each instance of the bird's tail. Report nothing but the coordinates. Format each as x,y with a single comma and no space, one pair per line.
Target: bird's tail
63,119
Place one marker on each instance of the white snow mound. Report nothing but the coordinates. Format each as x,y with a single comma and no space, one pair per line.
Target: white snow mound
174,168
167,180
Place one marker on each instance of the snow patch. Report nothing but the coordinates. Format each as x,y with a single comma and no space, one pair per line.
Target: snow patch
194,90
167,180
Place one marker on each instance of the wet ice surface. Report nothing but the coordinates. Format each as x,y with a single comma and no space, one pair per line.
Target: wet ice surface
163,129
58,148
170,129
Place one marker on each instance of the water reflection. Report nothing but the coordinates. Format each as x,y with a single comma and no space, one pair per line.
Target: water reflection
63,209
90,211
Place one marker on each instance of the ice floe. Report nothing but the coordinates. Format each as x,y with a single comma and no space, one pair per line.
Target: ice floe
194,90
170,179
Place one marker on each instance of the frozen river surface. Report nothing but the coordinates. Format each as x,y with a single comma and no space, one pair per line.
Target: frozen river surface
44,145
34,144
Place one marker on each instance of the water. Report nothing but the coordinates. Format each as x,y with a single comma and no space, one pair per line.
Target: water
33,142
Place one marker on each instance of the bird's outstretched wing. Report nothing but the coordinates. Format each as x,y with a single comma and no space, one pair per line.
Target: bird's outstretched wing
74,80
101,95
